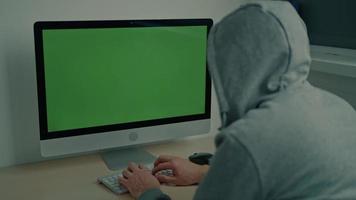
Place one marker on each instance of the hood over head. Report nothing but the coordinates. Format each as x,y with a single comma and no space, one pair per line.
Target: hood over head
254,53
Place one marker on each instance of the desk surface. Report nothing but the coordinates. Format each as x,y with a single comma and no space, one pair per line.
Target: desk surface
75,177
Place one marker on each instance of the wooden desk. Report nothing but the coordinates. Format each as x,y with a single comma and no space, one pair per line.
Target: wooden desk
75,177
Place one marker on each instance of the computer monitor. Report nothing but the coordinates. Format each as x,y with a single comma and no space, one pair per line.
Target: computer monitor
119,84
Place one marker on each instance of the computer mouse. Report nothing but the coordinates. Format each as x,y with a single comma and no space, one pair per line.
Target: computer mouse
201,158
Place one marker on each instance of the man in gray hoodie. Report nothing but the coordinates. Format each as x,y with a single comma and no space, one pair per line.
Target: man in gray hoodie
281,137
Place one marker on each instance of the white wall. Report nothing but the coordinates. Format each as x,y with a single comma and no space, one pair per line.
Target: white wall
19,132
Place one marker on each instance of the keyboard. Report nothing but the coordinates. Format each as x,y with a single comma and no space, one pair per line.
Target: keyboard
111,181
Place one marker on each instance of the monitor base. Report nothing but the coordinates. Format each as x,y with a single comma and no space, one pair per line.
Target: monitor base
119,159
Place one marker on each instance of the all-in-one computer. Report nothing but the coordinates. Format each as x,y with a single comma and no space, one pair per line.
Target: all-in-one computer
110,84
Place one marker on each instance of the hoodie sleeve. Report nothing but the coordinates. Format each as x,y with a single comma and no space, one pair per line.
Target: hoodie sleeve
232,175
154,194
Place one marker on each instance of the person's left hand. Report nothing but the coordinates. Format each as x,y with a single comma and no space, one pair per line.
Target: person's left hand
137,179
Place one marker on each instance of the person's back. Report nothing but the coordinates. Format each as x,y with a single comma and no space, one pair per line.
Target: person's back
307,150
300,145
282,138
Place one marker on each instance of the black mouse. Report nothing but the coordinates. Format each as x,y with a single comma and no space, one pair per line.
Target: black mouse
201,158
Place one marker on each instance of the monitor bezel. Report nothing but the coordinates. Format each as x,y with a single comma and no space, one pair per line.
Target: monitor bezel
41,92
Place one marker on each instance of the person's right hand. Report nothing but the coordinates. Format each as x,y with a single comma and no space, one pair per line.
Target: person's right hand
184,171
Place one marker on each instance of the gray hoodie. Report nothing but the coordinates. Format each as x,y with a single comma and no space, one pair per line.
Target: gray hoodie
281,138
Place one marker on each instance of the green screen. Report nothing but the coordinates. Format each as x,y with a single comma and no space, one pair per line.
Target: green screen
105,76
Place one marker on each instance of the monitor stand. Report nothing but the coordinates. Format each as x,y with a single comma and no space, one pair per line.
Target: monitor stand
119,159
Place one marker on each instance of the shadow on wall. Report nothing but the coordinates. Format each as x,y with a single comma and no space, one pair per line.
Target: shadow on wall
21,71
